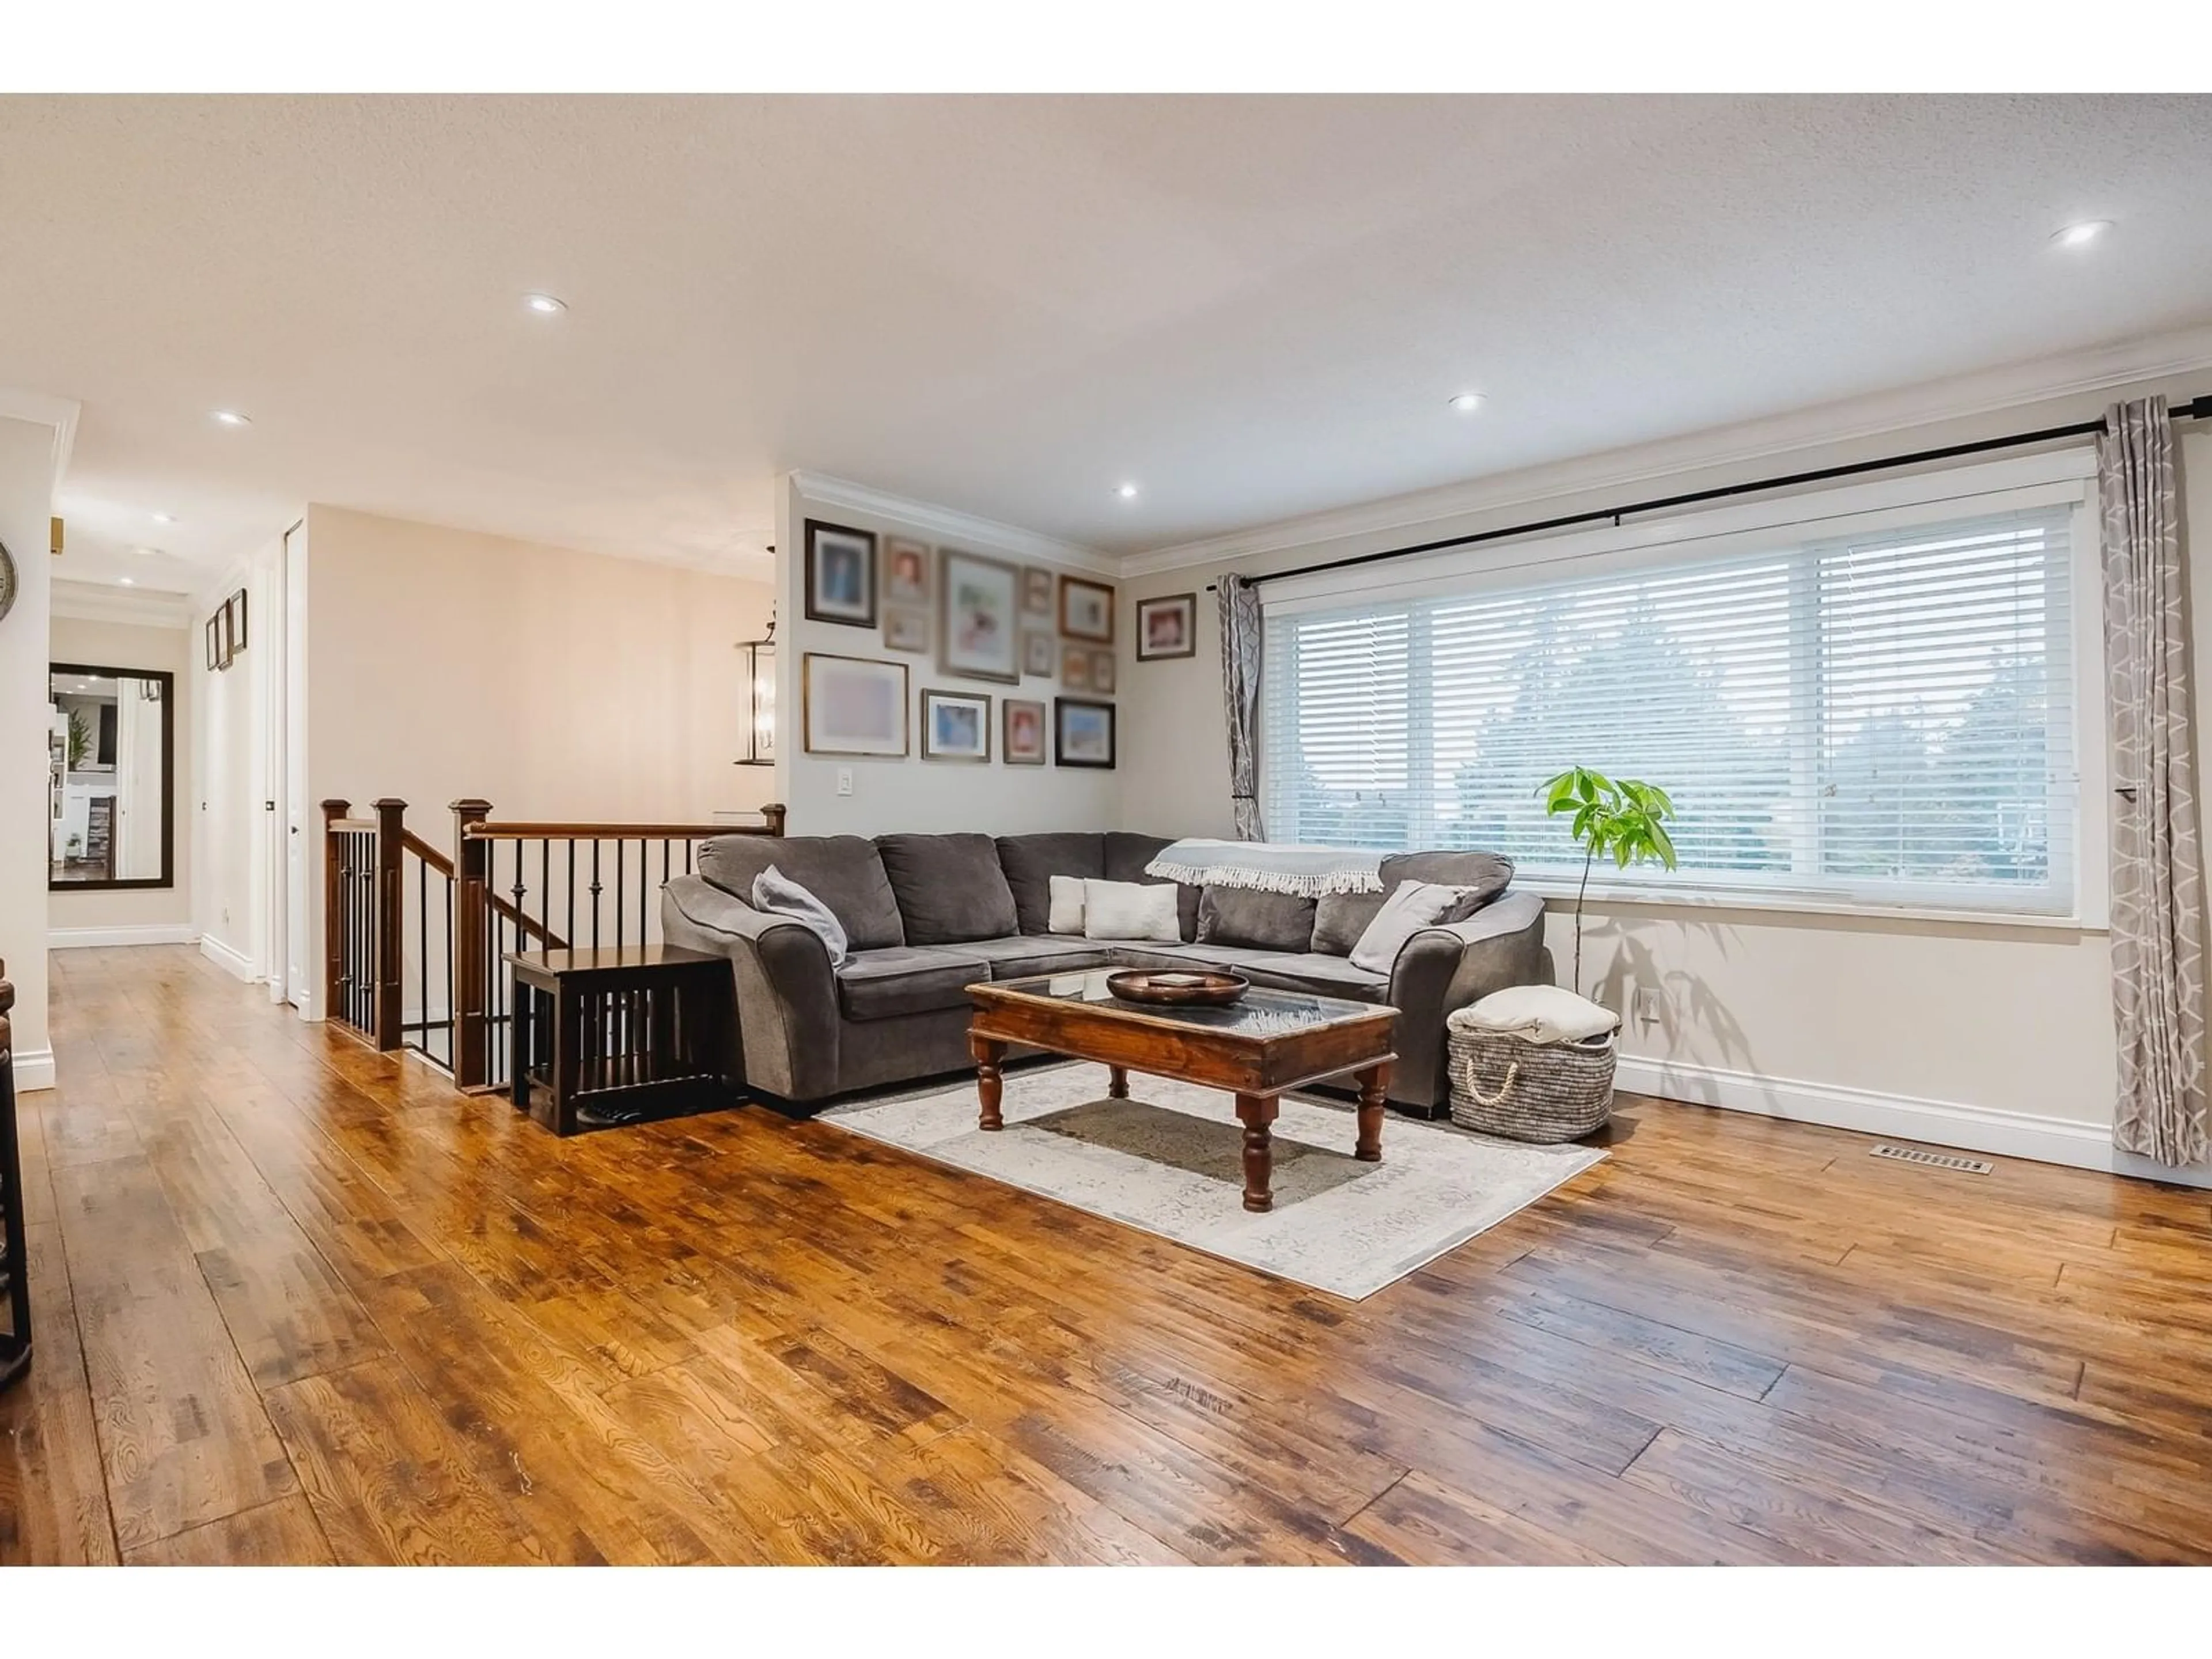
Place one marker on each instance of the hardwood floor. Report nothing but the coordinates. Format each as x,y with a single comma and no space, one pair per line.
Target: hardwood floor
298,1302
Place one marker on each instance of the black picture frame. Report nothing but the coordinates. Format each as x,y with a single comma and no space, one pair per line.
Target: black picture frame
861,611
235,628
1187,604
1061,708
978,701
214,642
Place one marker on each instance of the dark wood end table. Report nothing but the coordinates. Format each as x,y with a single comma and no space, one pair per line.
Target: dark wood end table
637,1032
1259,1048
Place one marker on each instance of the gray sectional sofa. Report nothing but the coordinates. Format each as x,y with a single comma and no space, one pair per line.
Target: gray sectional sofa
928,915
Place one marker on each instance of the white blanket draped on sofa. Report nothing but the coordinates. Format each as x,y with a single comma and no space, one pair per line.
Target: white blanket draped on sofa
1269,866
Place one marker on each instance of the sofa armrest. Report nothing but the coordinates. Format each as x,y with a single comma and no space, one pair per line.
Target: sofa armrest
1444,969
786,992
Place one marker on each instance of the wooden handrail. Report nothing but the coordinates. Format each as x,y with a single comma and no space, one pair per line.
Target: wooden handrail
487,831
430,854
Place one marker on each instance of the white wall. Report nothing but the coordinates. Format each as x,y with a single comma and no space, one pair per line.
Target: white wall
26,452
913,794
136,915
1969,1034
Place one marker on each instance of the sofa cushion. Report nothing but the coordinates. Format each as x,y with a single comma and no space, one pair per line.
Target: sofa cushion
1030,861
1340,918
1130,909
1127,855
907,978
1295,970
1485,875
1270,922
949,888
843,872
1022,957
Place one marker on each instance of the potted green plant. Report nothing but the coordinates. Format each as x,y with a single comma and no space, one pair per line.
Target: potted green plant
80,740
1621,818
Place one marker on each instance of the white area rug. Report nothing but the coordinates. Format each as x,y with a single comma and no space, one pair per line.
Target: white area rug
1171,1161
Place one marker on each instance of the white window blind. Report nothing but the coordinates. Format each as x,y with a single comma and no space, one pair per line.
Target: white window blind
1878,719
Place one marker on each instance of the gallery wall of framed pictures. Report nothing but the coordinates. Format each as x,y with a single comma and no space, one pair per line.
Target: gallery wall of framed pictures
225,633
931,624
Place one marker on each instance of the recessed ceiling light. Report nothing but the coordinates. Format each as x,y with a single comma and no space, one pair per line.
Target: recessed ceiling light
231,417
165,517
543,304
1127,492
128,581
146,552
1467,400
2082,235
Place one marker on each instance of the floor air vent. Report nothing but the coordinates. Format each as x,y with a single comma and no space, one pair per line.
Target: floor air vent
1934,1160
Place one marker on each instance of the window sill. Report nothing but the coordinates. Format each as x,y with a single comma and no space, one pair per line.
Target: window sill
1560,895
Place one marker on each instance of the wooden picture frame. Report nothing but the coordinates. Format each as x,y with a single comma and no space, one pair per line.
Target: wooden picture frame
1040,652
908,565
908,631
946,735
1037,591
1086,611
1075,667
1167,627
979,604
835,716
840,574
1103,672
214,642
1022,732
235,621
1083,733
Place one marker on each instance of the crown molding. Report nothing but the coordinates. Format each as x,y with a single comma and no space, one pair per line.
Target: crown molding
950,525
136,607
1992,391
40,408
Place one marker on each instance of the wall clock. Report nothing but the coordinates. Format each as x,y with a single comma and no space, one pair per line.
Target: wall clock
7,582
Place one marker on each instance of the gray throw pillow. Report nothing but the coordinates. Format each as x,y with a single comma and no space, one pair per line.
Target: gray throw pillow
776,894
1265,921
1412,906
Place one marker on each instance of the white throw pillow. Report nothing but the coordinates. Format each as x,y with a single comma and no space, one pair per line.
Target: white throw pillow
779,895
1539,1013
1412,906
1131,910
1066,912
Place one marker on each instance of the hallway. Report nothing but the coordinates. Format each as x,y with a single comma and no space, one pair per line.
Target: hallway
299,1302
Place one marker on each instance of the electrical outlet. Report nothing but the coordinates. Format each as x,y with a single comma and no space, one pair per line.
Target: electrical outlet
1651,1005
844,780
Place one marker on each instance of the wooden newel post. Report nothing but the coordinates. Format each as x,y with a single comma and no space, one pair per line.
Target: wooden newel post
774,812
472,946
334,915
391,942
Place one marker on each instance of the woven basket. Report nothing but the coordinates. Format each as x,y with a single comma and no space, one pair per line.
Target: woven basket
1503,1084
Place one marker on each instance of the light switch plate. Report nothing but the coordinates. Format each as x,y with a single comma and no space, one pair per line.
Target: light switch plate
844,780
1651,1005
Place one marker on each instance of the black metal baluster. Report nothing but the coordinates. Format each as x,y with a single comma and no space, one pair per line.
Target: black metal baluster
447,956
422,953
595,896
618,894
545,890
570,933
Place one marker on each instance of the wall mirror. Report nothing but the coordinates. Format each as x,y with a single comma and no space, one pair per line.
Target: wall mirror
111,776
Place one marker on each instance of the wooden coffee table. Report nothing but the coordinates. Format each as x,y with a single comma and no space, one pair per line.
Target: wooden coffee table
1258,1048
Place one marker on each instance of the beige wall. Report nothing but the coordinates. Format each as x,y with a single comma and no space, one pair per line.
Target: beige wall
25,493
1800,1015
914,794
128,645
554,684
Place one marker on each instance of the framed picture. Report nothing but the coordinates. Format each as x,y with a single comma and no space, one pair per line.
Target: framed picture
906,572
1040,652
956,726
1023,739
214,642
1167,627
1086,611
841,574
978,611
1075,667
1086,737
1037,591
907,630
851,706
234,613
1101,671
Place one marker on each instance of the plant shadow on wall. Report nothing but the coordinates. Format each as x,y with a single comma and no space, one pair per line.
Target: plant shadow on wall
1624,820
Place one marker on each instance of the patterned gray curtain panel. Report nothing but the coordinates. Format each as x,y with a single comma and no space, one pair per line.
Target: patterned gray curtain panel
1240,689
2158,897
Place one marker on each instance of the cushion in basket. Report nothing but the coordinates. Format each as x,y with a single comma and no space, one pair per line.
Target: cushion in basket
1537,1014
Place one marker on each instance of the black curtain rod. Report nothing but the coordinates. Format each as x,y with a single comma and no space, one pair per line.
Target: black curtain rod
2196,408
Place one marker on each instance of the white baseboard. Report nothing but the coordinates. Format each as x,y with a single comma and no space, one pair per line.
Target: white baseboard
34,1069
2076,1142
84,938
231,962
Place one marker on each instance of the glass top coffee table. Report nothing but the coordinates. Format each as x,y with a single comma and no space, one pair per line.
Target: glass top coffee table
1258,1048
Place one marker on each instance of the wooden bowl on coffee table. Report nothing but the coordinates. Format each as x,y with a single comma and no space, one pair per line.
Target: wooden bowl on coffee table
1179,988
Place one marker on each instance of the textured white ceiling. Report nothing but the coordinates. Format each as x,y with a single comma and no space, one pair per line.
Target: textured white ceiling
1254,306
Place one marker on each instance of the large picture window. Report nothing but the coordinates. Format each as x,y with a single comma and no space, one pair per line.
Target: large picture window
1884,718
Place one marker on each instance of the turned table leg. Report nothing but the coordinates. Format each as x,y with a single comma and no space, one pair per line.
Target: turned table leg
1374,1083
989,1080
1117,1082
1255,1113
